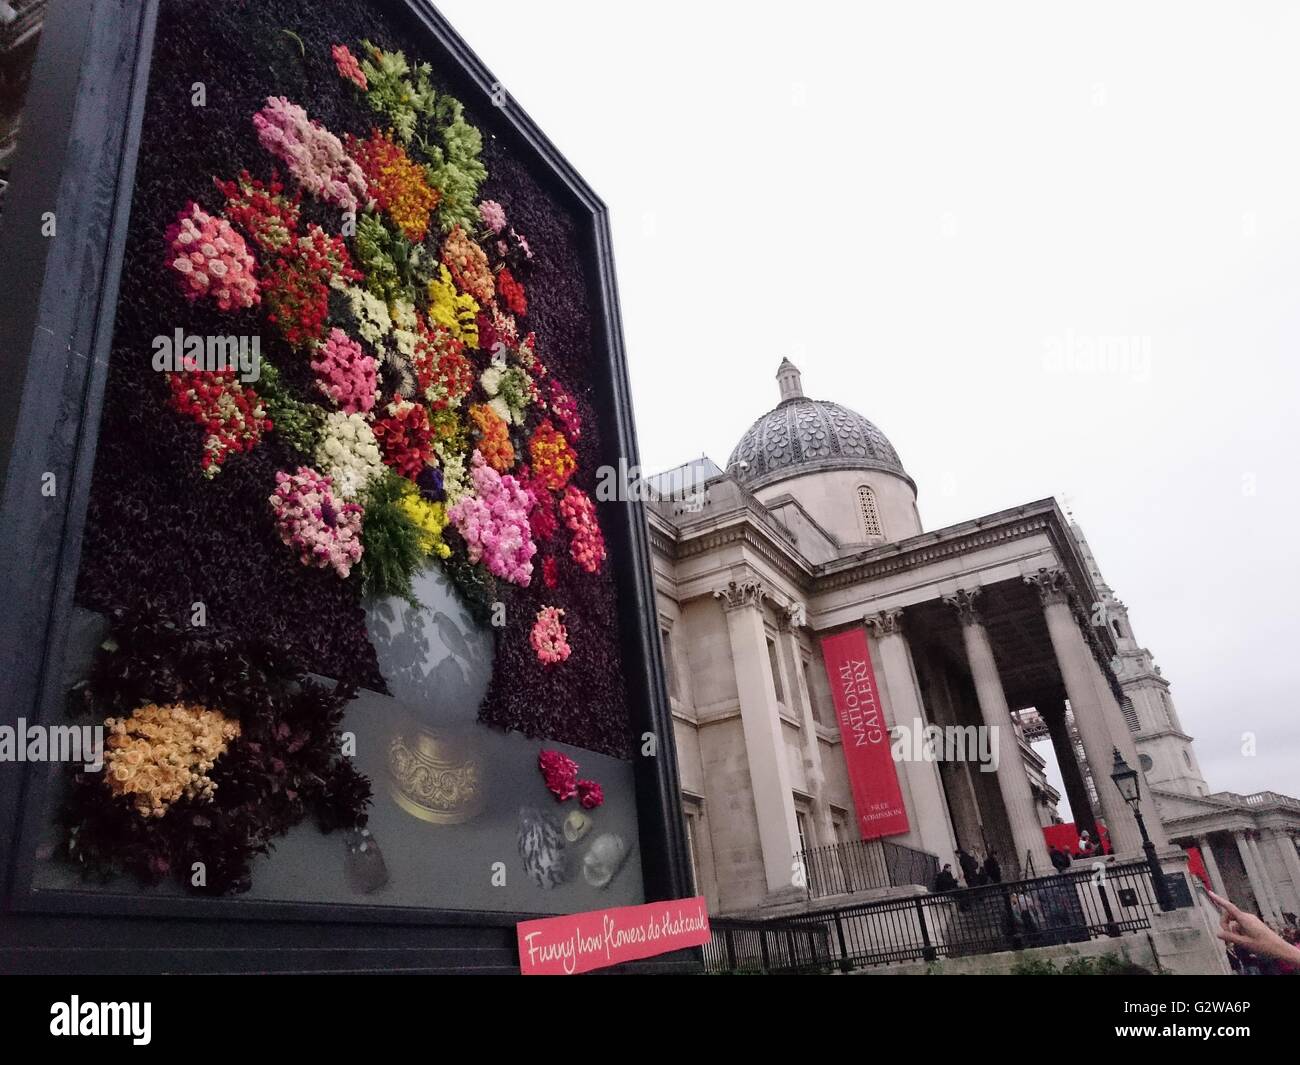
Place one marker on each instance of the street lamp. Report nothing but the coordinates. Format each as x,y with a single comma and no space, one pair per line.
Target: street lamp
1130,787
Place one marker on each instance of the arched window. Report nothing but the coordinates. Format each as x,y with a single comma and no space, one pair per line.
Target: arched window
870,515
1115,625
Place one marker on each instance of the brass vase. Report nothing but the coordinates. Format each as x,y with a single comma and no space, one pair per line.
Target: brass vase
436,774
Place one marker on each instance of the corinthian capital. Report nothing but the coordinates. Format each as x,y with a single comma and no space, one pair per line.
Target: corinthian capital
884,623
739,594
966,603
792,616
1053,585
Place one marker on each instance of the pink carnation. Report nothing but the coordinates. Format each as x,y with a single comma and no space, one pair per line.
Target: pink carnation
494,523
587,543
348,67
493,215
590,794
345,373
325,532
549,637
314,156
211,259
561,774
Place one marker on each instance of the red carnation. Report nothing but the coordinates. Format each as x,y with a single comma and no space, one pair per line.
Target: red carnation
589,794
561,774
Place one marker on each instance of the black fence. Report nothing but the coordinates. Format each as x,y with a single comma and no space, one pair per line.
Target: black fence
846,868
770,947
1071,907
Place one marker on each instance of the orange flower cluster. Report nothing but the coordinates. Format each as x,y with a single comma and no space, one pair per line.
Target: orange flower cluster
494,438
553,459
398,185
469,267
161,754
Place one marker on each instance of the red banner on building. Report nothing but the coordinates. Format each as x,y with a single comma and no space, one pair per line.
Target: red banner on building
580,942
873,777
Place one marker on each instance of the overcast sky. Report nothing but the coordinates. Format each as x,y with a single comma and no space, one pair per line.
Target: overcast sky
937,210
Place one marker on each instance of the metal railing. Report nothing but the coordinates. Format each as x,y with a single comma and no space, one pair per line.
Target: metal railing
1068,907
769,947
864,865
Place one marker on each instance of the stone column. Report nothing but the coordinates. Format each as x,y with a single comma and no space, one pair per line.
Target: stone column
929,812
1073,658
1212,865
1291,862
788,621
1254,875
1076,787
765,750
1013,780
1266,878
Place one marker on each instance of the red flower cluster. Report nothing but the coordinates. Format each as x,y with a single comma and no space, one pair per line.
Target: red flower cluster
561,774
512,292
296,285
590,794
587,546
232,415
550,572
542,518
443,372
565,407
268,216
405,437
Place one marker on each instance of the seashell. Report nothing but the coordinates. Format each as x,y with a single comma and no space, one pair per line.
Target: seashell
364,864
576,825
603,860
542,848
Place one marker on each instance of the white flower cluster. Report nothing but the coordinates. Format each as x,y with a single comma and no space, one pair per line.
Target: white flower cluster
373,320
348,453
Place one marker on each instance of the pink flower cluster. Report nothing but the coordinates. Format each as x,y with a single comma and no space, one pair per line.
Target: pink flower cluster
549,637
494,523
561,775
348,67
345,373
565,408
212,259
324,531
493,215
314,156
587,543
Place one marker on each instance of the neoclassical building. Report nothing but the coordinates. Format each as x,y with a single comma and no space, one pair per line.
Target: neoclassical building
811,532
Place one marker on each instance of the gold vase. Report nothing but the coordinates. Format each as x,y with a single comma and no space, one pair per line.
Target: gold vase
436,775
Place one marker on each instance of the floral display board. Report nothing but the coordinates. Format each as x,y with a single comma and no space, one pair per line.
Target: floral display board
356,625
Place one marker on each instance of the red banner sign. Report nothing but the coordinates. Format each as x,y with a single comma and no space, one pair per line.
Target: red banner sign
580,942
873,777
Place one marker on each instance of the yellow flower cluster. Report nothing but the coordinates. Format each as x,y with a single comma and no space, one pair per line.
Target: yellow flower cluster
161,753
428,518
455,311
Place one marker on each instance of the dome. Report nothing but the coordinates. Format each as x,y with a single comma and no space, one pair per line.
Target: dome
802,435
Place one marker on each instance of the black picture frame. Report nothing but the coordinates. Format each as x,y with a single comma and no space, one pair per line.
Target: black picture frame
76,158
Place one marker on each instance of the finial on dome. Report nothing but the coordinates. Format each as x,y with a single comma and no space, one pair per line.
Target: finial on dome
787,376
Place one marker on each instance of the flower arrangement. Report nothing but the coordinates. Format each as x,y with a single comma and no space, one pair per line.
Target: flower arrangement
494,438
348,67
405,437
161,754
587,543
312,154
232,414
494,523
345,373
402,94
553,460
469,266
348,453
263,211
511,391
398,186
455,311
211,259
443,372
549,637
428,517
324,532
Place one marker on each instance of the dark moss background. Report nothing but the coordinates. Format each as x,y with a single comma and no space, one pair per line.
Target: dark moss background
157,530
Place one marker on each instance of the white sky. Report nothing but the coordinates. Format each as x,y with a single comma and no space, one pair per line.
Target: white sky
921,204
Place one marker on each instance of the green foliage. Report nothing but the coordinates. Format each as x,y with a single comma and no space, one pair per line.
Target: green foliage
392,552
394,267
1106,965
393,92
298,423
455,168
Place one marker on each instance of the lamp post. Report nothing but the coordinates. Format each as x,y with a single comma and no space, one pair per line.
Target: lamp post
1130,787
